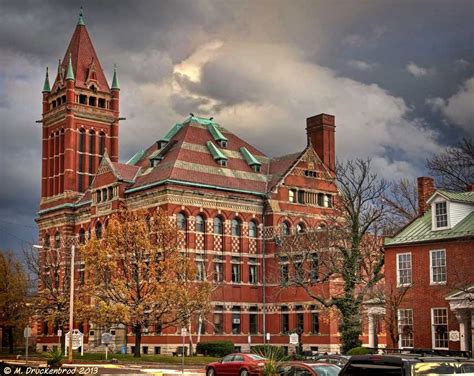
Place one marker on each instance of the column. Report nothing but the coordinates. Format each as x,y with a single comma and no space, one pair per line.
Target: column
371,330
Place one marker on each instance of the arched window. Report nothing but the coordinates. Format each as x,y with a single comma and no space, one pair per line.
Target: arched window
252,229
98,230
300,228
47,240
82,236
57,240
101,143
218,228
181,221
236,227
285,228
200,224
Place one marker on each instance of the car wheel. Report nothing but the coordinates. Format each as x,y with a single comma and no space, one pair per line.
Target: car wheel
244,372
211,372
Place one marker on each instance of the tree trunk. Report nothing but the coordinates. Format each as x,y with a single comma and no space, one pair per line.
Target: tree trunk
351,326
10,339
138,341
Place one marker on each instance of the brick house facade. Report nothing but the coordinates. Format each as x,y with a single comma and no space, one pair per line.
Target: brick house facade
432,258
229,199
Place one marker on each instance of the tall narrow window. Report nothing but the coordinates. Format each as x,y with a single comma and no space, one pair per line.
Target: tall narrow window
236,277
301,197
236,227
200,224
405,327
299,319
285,320
403,269
314,264
236,327
300,228
219,269
253,278
284,272
218,228
441,214
57,240
314,320
91,155
101,144
439,321
98,230
253,320
438,266
82,236
292,195
181,221
200,268
219,320
252,229
285,228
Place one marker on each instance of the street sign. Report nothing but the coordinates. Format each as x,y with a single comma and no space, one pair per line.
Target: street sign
249,339
268,336
294,339
60,332
454,335
107,338
27,332
77,340
184,332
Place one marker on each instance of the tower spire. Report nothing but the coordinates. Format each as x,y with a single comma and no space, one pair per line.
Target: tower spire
46,87
80,21
115,83
70,72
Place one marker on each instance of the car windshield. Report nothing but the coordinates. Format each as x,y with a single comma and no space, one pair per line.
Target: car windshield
329,370
255,357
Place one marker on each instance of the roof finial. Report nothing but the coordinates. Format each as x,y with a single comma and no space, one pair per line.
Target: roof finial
80,21
46,87
115,83
70,72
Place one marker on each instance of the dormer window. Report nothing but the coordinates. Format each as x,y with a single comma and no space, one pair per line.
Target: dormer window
222,143
222,162
256,168
441,215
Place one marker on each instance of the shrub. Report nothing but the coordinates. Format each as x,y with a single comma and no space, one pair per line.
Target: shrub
360,351
269,351
54,358
215,348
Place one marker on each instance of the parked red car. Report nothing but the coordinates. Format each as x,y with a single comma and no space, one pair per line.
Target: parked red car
237,365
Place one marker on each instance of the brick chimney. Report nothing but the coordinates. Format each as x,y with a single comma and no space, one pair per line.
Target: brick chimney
425,189
321,131
470,188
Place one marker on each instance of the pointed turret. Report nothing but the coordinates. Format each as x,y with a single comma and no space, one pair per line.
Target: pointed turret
46,87
70,72
80,21
115,83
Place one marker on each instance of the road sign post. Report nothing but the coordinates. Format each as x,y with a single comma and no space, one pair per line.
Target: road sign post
27,334
184,332
106,339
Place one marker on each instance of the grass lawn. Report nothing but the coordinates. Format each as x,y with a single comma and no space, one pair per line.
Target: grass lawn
165,359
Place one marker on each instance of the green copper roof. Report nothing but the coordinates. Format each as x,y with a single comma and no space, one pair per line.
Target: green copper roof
115,83
249,158
70,72
216,133
46,87
420,230
465,197
136,157
80,21
200,120
216,153
172,132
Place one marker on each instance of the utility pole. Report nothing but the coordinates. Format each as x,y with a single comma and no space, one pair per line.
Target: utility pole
71,303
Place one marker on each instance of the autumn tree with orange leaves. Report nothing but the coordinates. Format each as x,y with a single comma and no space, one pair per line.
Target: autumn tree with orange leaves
136,274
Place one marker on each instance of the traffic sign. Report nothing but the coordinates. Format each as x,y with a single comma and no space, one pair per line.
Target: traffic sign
27,332
184,332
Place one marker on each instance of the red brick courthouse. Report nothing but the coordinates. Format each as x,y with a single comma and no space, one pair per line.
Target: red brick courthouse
229,199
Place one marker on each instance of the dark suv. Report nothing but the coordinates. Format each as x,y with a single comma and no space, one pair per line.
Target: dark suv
392,365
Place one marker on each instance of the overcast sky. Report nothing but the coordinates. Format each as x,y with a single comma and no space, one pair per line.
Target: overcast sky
398,76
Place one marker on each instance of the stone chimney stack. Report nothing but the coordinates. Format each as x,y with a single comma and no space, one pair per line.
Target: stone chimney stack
321,131
425,189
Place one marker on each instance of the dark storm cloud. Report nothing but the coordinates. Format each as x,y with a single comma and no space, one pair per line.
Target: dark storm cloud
280,62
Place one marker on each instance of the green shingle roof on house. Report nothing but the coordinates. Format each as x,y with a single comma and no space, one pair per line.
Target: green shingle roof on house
463,197
420,230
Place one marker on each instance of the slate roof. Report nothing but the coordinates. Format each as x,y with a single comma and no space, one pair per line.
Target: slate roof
420,231
82,54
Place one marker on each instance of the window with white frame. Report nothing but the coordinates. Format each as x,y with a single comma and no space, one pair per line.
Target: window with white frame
405,328
403,269
439,323
200,268
438,266
441,214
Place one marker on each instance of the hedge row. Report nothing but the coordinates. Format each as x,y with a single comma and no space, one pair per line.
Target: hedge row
215,348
